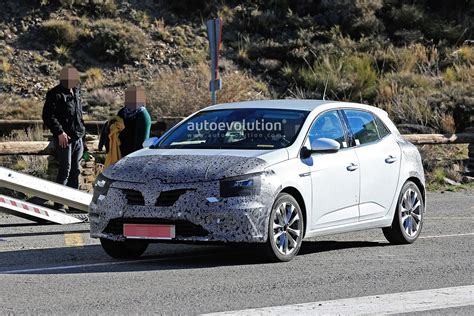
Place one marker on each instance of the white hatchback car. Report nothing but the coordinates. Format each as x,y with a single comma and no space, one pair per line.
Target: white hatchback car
270,172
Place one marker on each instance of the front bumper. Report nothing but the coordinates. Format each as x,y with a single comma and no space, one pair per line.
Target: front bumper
234,219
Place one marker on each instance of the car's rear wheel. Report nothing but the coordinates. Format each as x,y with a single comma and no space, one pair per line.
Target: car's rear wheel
285,231
127,249
408,218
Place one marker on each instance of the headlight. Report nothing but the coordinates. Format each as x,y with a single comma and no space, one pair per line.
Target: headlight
241,186
101,187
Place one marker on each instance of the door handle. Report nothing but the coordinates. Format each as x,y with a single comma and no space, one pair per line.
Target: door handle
390,159
352,167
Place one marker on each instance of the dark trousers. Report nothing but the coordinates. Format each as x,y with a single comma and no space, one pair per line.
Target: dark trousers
69,163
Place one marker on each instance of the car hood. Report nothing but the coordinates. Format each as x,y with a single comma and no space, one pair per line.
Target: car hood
171,167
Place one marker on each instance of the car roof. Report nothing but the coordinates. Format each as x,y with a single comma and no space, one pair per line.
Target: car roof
304,105
291,104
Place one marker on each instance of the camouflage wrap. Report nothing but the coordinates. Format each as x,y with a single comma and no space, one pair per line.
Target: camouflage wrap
232,219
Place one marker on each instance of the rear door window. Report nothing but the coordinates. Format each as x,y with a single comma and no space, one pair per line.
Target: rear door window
362,125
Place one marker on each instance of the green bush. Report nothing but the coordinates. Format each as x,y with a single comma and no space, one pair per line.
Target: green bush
362,76
59,32
342,77
116,41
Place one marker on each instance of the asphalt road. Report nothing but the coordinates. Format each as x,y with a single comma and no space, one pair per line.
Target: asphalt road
52,269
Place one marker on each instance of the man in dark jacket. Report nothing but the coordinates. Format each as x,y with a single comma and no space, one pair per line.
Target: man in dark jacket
62,114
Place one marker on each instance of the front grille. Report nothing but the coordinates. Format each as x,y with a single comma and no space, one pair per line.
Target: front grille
182,228
134,197
168,198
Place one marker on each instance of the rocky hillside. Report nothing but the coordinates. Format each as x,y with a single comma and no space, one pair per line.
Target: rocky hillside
408,57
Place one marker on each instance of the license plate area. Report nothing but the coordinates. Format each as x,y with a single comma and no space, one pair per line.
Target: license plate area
149,231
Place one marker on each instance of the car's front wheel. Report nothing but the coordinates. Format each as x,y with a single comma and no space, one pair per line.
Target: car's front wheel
285,231
408,218
127,249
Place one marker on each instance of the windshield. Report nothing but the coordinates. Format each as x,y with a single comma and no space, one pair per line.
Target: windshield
237,129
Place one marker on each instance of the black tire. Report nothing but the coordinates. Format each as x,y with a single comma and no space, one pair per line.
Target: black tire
272,249
128,249
396,234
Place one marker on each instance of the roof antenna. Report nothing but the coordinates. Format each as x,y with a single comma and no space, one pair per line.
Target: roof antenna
325,88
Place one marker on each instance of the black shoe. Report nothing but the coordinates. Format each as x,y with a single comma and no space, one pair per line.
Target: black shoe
60,208
74,210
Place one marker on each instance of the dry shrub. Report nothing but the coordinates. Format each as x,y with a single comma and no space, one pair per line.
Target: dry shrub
16,107
59,32
116,41
93,77
101,102
355,17
447,123
101,97
343,77
443,161
33,165
160,30
5,66
415,58
180,92
30,134
95,7
464,54
405,106
465,74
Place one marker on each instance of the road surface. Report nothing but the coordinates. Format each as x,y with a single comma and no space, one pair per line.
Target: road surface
52,269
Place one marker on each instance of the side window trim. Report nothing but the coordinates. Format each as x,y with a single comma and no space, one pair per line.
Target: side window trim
350,137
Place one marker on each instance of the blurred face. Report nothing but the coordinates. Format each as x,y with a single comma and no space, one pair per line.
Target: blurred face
134,97
69,77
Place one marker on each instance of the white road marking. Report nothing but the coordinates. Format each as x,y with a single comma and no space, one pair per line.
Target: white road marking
434,236
393,303
445,236
450,217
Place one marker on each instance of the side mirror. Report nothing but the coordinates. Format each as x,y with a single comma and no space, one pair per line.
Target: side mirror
325,145
150,142
320,145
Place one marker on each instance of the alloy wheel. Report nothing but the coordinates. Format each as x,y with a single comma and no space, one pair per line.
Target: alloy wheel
411,212
287,228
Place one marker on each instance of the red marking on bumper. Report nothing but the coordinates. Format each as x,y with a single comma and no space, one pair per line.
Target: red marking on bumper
149,231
